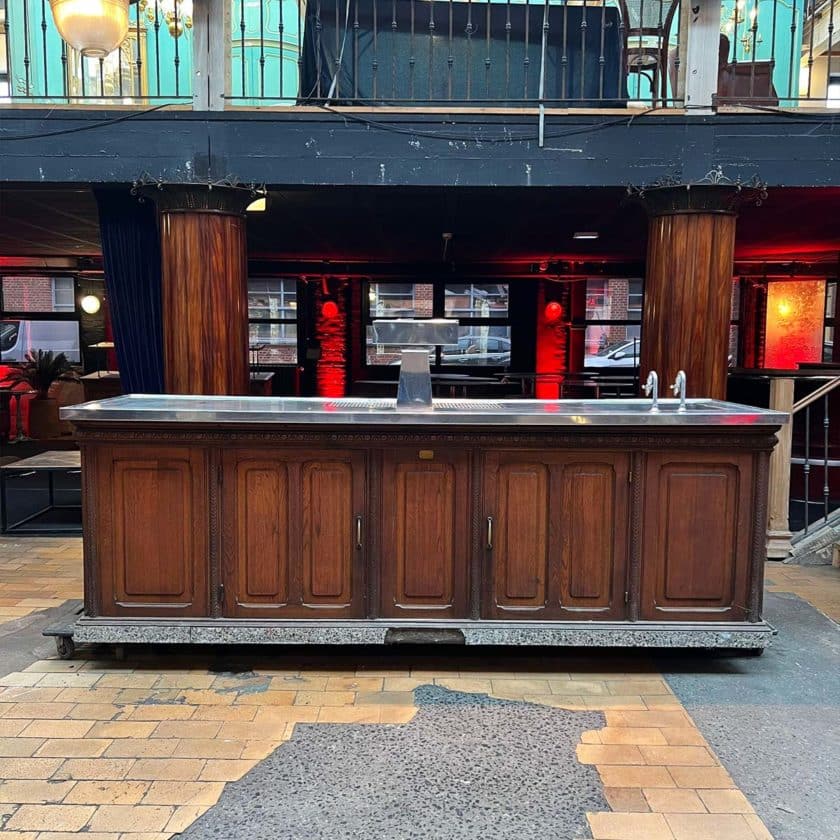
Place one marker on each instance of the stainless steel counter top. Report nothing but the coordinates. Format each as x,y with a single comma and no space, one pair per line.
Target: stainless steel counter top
243,411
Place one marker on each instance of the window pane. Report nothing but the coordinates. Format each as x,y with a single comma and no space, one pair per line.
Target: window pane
612,346
63,294
17,337
272,297
828,344
273,344
484,346
400,300
38,294
830,300
613,299
476,300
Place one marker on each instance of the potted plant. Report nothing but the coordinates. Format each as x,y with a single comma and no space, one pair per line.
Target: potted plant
39,372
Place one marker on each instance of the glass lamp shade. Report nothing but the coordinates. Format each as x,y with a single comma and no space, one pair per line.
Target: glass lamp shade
94,27
90,304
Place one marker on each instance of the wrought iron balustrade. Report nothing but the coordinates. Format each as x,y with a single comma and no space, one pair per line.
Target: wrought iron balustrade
779,53
153,64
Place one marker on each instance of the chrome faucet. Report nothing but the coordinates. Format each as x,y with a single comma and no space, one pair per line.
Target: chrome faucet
679,388
652,389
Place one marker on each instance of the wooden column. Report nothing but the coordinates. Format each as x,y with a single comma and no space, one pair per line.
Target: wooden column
204,289
688,286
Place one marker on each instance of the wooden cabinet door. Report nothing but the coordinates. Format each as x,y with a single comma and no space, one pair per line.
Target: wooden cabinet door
696,536
556,535
425,534
152,536
292,534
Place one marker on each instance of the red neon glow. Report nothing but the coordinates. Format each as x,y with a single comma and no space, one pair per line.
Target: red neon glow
795,321
329,309
551,350
331,330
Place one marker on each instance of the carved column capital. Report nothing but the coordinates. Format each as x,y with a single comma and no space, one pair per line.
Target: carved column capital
224,198
715,193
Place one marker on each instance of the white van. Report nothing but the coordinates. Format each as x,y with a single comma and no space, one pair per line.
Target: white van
17,338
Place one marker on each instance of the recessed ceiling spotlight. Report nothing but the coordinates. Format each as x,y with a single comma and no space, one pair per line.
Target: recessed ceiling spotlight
586,234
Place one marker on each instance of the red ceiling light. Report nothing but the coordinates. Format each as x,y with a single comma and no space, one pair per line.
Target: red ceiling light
553,312
330,309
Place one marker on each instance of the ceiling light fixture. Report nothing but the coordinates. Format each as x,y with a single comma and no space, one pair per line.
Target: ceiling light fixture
94,27
586,234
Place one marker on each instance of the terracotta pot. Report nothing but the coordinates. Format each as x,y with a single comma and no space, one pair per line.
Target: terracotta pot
43,418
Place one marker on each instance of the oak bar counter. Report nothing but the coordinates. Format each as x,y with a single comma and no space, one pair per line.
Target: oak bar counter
271,520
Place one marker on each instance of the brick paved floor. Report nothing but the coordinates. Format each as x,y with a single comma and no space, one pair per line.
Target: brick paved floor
137,750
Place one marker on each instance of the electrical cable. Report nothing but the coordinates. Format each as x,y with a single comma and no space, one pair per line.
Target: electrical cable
88,127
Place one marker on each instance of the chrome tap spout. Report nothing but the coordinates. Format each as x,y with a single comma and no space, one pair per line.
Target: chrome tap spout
652,389
679,388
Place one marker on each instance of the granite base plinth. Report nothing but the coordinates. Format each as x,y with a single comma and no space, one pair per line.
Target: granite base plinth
746,636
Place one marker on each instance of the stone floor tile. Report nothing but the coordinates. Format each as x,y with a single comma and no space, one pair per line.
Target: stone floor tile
635,776
631,735
401,683
759,829
225,713
18,835
96,694
132,817
678,756
154,769
325,698
267,698
28,768
618,826
95,711
29,694
183,793
385,698
11,727
651,687
298,682
209,748
141,748
184,816
19,679
68,680
350,714
628,800
185,680
658,719
107,793
128,680
270,729
725,801
520,686
205,697
162,711
92,768
354,683
674,801
73,748
683,736
397,714
122,729
20,746
57,729
72,835
593,736
468,685
31,791
187,729
35,711
557,701
259,750
225,770
627,702
708,826
578,687
50,818
609,754
701,777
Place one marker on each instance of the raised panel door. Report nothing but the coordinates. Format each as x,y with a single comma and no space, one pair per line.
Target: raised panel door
153,540
293,534
697,533
556,542
425,534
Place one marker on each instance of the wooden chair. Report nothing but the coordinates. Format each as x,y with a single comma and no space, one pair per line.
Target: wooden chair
646,30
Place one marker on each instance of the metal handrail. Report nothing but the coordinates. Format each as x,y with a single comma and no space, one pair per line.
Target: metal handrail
813,397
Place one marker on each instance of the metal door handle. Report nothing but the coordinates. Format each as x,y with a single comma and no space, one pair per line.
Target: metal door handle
24,475
359,532
489,533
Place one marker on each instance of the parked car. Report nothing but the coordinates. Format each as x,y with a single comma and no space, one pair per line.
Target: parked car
478,350
623,354
18,337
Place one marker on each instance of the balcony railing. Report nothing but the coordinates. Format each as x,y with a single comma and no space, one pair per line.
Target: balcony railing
430,53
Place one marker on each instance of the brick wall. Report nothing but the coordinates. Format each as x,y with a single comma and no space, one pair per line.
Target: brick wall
28,294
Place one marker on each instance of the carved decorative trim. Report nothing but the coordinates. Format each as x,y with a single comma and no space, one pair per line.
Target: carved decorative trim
213,463
374,514
722,437
476,475
90,529
715,192
226,196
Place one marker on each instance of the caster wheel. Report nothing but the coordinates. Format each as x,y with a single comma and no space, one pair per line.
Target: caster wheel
65,646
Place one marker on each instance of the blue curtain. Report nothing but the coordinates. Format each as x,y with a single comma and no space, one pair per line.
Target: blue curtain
131,253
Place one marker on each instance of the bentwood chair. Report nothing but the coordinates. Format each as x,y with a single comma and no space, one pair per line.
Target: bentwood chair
646,26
